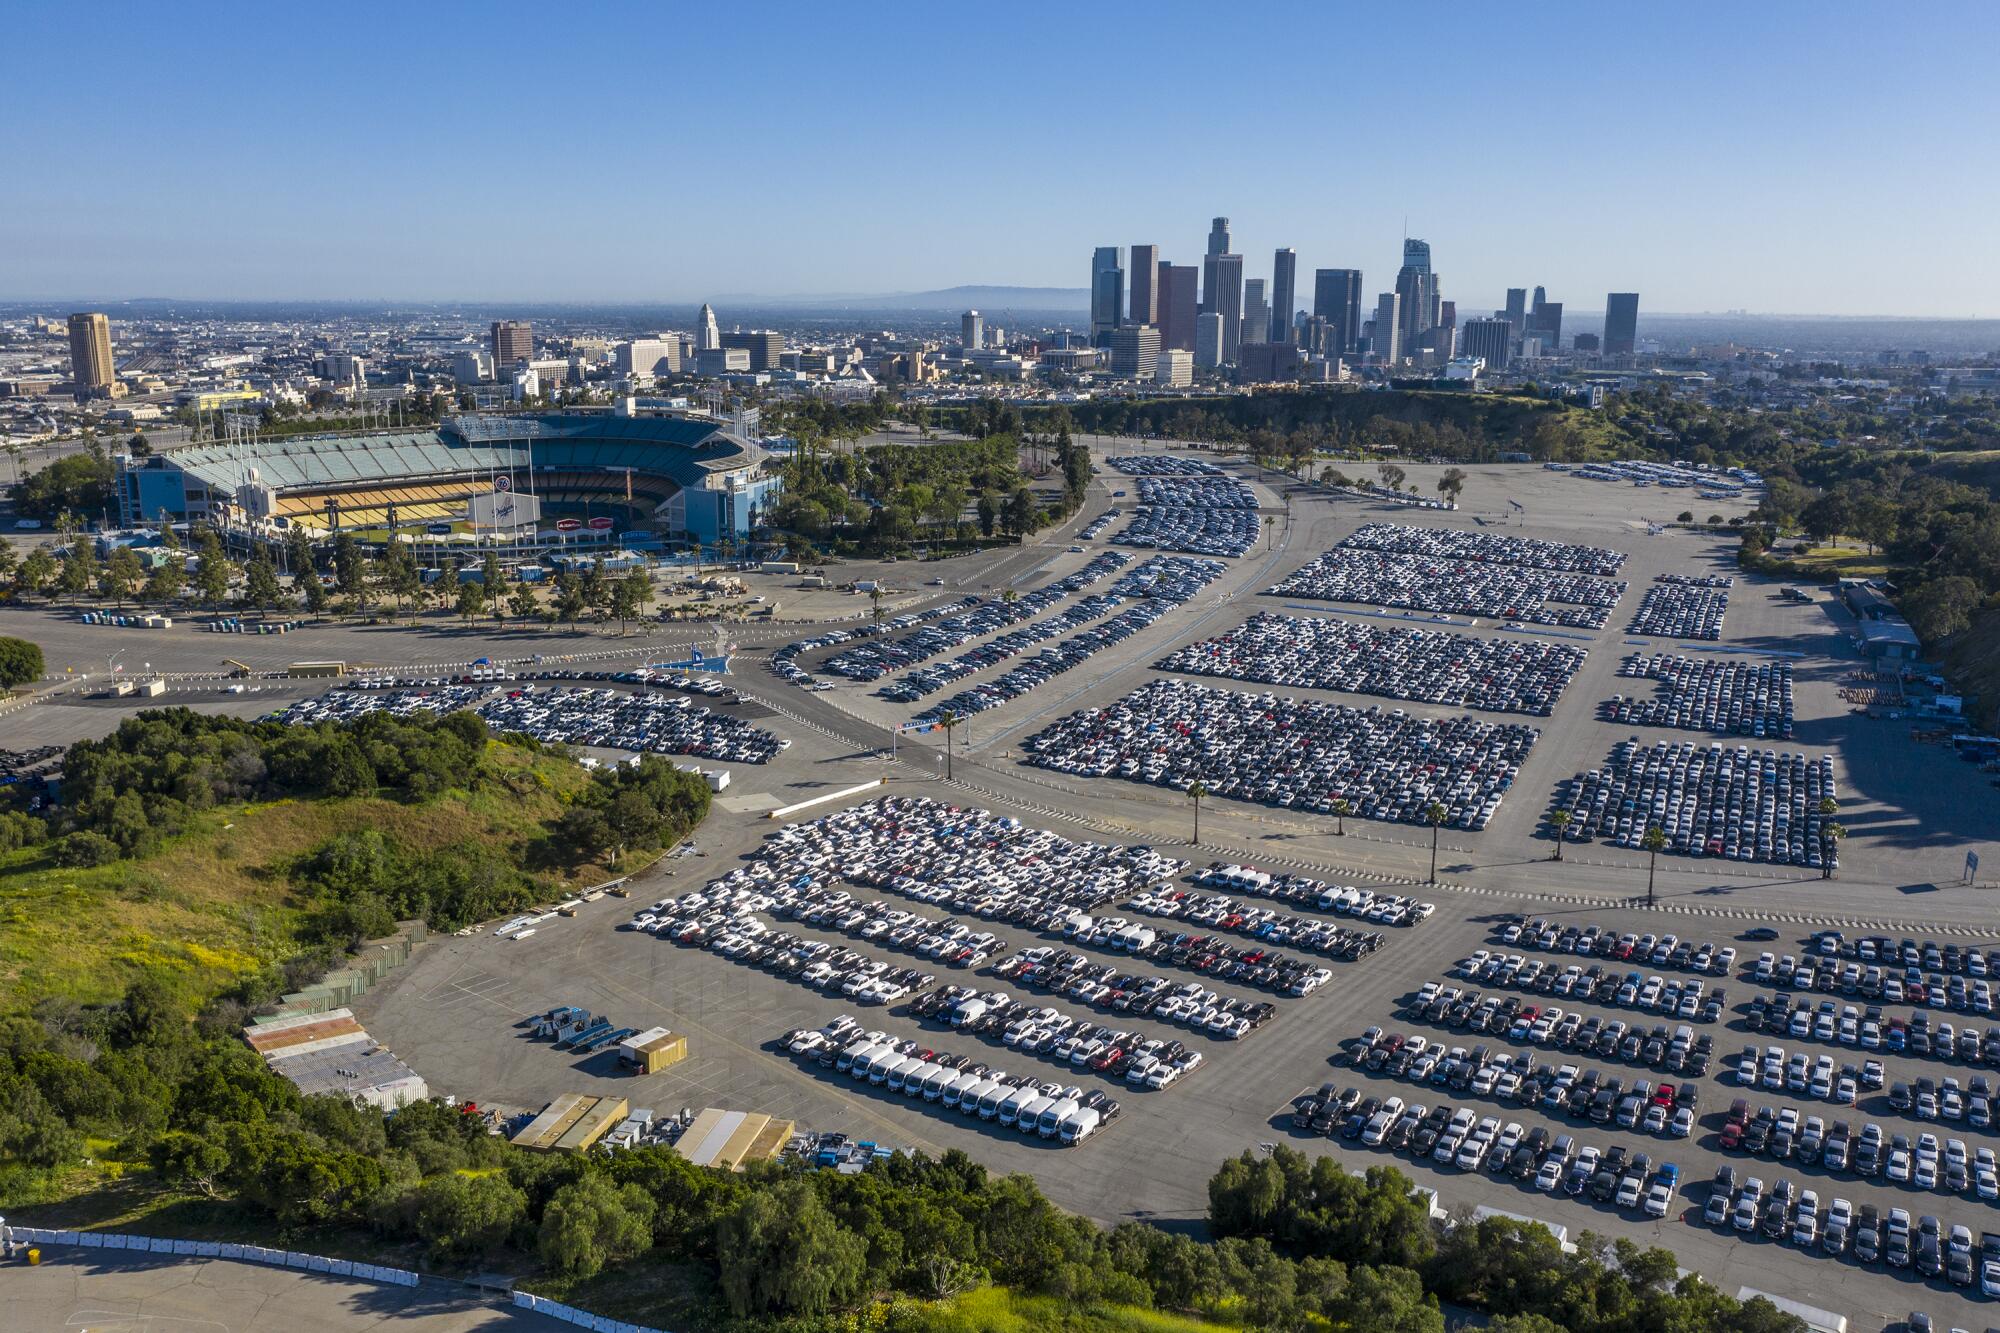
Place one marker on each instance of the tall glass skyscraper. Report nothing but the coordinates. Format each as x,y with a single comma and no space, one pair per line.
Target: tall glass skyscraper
1107,293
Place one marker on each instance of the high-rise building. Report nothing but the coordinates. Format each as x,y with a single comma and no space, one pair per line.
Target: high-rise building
1135,351
1416,286
971,331
1491,340
513,345
1180,302
1208,340
707,337
1218,237
1107,293
1256,313
1545,322
1621,323
1174,368
1388,347
1284,293
1222,294
766,347
1337,300
644,357
1517,311
1145,308
90,368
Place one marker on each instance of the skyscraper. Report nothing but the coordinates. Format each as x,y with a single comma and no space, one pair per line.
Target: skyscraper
1284,293
1545,321
1416,288
1218,237
1208,340
1107,293
971,331
1223,295
90,368
1621,323
1490,339
1180,302
1388,346
1337,300
1146,284
1256,314
513,345
1517,310
707,337
1135,351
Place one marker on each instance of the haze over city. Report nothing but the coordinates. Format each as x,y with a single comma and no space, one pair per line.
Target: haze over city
1764,158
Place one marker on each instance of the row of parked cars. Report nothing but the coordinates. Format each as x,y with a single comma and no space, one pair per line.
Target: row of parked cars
1927,1163
1453,587
874,658
1785,1015
723,923
1203,492
1140,1060
1807,1075
934,676
1199,531
1388,909
1667,1109
1162,465
1169,578
1290,753
1084,980
1424,665
1067,1115
1893,981
1259,923
1709,694
1786,1213
1688,999
1219,960
621,720
1969,959
1708,800
1049,663
1676,1051
1680,611
1591,940
1487,547
1463,1139
784,661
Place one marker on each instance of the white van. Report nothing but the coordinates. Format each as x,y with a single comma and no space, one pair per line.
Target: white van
1079,1126
953,1089
935,1082
968,1011
887,1065
994,1094
1029,1116
1010,1106
1049,1123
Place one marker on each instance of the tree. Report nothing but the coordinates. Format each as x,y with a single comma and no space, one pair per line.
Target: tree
1435,815
521,601
1392,476
164,584
471,597
1560,822
1830,834
1342,808
260,584
570,601
20,662
1942,607
624,604
8,560
949,721
494,582
1270,522
315,591
298,553
461,1218
211,575
989,513
79,567
1452,484
37,572
1654,842
122,574
781,1252
350,572
591,1222
1020,516
1195,792
641,582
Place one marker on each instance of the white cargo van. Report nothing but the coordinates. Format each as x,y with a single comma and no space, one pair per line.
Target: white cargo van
1079,1126
1029,1113
1050,1121
992,1096
1010,1106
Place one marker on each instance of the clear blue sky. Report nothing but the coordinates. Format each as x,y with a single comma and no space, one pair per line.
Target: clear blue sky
1812,158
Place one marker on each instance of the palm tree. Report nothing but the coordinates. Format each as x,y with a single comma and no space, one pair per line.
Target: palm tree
949,721
875,600
1435,814
1830,834
1653,842
1270,520
1560,822
1342,808
1195,792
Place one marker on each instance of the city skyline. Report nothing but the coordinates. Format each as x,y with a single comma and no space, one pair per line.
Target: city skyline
1650,157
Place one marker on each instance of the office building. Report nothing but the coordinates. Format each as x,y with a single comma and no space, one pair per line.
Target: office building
1621,323
1208,340
472,367
1218,237
1268,363
1517,312
1416,289
1585,342
646,358
90,368
1256,313
1337,300
345,369
513,345
971,331
1489,340
1107,293
722,360
1222,294
1545,322
706,336
1284,293
1145,281
766,347
1179,302
1135,351
1174,369
1388,347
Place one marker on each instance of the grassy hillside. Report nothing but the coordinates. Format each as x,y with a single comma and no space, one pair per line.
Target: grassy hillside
212,905
1971,660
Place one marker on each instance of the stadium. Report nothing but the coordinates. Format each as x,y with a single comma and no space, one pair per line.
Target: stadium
522,479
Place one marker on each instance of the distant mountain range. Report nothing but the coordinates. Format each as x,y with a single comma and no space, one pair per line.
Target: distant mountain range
1042,300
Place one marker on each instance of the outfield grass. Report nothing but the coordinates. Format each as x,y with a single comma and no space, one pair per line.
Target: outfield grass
212,905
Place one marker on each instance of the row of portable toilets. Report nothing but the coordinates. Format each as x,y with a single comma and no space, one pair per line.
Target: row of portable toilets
232,625
128,622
